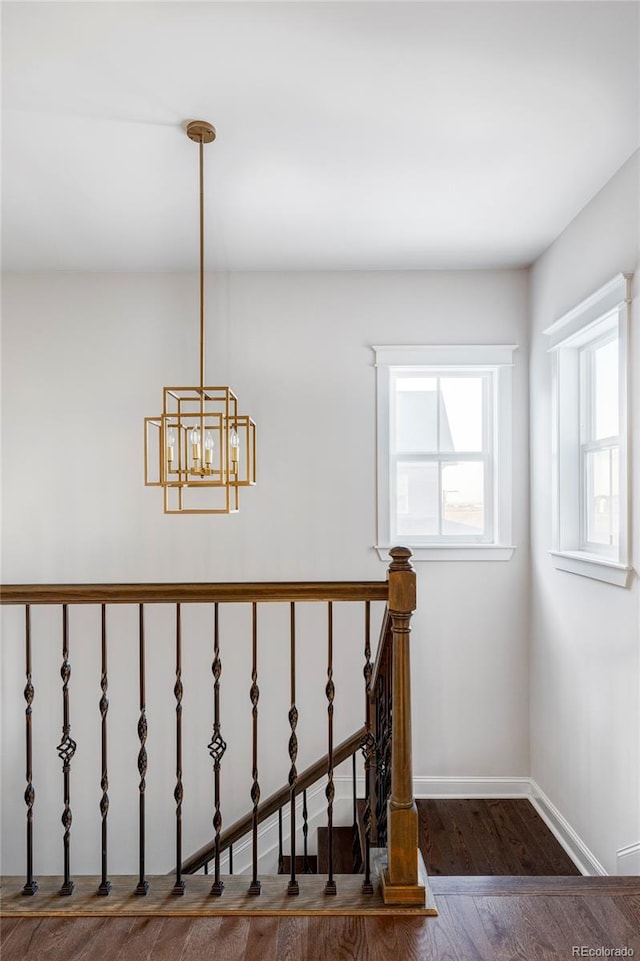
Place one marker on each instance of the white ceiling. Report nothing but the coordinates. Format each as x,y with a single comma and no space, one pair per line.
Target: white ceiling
350,135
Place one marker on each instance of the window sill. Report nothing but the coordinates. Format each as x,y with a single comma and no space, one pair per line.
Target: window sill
453,552
590,565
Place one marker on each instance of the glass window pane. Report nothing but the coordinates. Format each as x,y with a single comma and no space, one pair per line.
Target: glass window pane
416,414
461,414
605,365
417,501
463,498
602,500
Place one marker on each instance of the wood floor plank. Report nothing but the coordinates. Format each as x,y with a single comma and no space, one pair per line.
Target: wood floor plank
616,926
532,846
486,845
6,927
78,943
231,942
292,939
511,926
335,939
433,838
169,940
558,859
200,939
425,940
457,857
382,942
513,885
113,935
262,941
20,938
37,942
630,907
141,940
578,919
460,916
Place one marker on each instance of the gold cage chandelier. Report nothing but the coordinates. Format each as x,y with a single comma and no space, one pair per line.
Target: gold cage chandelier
200,450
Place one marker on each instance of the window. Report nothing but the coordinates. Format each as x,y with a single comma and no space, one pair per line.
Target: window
590,509
444,445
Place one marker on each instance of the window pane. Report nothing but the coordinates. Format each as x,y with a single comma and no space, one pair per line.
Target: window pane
602,496
461,414
463,498
605,363
417,487
416,414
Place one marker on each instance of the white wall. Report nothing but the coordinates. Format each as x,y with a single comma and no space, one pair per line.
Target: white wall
585,647
84,360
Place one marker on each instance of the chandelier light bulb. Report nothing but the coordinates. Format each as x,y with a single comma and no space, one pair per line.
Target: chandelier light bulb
208,449
171,444
234,442
195,443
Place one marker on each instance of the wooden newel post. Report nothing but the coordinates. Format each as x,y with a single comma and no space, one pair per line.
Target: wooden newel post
401,881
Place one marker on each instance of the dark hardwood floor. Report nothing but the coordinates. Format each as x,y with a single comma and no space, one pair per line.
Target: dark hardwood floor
536,927
488,837
505,891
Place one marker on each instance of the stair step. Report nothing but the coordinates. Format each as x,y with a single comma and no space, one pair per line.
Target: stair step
312,862
342,850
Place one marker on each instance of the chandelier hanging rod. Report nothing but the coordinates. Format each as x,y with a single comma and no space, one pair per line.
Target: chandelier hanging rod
201,133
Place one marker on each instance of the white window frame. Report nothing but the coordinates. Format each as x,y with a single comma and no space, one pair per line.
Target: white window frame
496,361
603,315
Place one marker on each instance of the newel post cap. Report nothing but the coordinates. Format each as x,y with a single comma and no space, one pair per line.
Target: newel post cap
400,559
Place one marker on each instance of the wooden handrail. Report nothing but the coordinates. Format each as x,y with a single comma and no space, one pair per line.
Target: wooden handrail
275,801
195,593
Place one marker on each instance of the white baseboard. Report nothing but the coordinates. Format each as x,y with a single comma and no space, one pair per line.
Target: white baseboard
584,859
628,860
471,787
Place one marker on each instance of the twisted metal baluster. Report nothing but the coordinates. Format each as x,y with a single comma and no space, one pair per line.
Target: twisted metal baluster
367,746
330,886
143,885
179,886
356,853
280,846
66,749
254,694
217,747
105,884
30,886
293,887
306,868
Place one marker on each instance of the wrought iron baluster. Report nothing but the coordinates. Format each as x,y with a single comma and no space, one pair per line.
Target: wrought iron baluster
356,854
254,693
66,749
217,747
105,885
280,845
231,859
383,747
293,887
179,886
330,886
205,869
368,749
30,886
305,833
143,885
